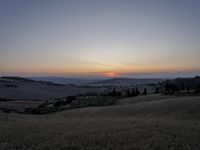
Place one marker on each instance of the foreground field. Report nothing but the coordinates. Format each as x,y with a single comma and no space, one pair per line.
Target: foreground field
165,124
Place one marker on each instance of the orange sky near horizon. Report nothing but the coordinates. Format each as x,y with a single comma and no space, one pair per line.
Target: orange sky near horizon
59,71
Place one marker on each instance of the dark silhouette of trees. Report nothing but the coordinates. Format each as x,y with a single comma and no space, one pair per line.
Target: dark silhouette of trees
182,87
57,104
133,93
167,87
156,90
70,98
197,90
128,94
145,91
114,93
171,87
137,91
188,88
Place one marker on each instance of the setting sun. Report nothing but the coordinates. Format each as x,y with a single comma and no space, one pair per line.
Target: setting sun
110,74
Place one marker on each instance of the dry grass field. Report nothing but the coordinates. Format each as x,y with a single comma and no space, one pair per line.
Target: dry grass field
160,123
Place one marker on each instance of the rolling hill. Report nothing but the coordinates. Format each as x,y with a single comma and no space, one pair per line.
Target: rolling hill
155,122
16,88
124,82
159,106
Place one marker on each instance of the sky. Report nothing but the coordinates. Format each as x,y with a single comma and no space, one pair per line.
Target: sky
130,38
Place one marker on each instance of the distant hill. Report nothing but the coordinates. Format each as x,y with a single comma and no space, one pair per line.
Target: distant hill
19,88
15,78
22,79
97,81
67,80
125,82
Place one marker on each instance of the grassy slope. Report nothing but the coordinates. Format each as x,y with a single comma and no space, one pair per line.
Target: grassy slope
145,98
176,107
169,123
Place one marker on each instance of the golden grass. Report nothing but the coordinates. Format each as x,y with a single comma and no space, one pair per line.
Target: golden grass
95,128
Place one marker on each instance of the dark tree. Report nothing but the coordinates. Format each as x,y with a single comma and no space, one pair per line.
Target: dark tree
156,90
137,91
188,88
133,93
57,104
167,87
145,91
182,87
128,93
67,101
71,98
197,90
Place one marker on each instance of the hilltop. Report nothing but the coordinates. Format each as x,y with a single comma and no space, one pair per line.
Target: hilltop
125,82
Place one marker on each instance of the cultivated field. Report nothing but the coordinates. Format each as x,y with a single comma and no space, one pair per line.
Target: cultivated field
154,123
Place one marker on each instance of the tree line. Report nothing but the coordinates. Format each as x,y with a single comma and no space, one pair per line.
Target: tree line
182,85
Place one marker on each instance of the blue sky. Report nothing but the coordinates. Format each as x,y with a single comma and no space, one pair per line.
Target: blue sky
99,37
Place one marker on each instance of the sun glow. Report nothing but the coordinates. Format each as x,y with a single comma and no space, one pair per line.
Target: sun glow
110,74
